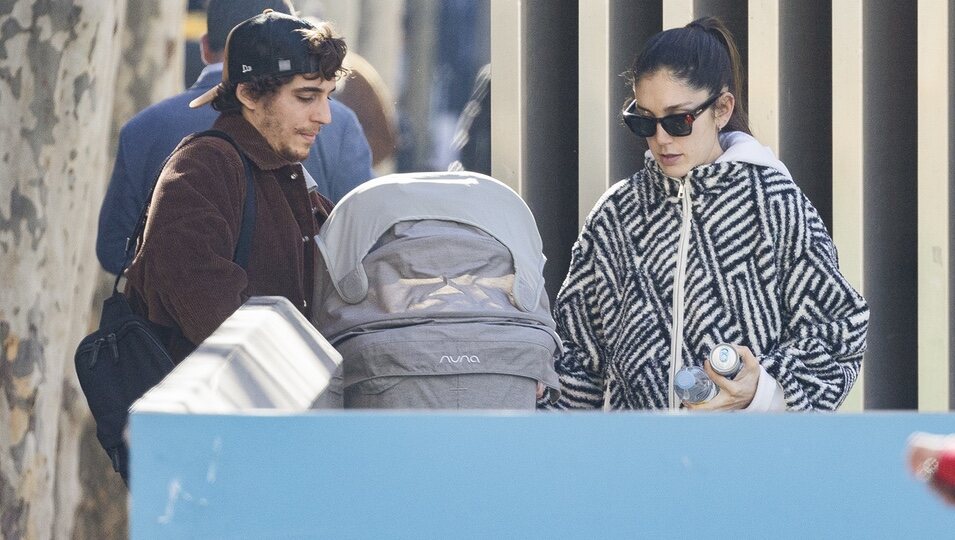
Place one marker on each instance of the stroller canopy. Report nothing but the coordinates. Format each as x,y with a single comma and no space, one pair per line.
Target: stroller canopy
474,199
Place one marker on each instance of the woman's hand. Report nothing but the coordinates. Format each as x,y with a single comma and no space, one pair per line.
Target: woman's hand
735,393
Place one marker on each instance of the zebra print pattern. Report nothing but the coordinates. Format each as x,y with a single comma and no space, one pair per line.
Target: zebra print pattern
762,272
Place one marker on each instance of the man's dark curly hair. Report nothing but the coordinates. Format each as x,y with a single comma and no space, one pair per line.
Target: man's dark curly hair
323,44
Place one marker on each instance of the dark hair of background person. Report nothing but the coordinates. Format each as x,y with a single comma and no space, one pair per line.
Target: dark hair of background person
704,55
323,42
223,15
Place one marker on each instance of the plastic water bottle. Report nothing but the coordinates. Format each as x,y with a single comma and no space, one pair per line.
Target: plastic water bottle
725,360
692,385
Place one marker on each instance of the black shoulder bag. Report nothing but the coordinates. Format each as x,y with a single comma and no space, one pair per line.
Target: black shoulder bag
124,358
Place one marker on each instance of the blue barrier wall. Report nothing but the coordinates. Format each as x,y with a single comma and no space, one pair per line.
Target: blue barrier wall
349,474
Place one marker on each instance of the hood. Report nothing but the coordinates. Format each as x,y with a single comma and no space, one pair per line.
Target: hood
738,146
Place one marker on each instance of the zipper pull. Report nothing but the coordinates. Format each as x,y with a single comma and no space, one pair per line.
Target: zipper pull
112,343
679,194
96,346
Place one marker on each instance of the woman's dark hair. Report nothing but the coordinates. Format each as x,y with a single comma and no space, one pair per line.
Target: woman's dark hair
323,43
704,55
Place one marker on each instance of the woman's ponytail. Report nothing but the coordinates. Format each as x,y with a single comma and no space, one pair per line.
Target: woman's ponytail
715,27
704,54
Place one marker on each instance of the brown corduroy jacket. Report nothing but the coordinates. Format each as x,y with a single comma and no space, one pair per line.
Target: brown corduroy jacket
183,277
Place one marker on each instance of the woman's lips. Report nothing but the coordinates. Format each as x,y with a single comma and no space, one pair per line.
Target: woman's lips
669,159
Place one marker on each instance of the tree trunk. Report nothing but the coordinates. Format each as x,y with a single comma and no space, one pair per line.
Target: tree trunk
153,59
58,72
150,69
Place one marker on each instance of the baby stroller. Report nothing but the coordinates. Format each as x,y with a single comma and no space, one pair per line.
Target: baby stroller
432,291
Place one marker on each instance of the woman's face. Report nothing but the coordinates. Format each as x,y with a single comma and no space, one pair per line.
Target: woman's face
661,94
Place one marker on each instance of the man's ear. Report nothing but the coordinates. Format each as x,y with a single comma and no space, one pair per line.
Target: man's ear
242,94
208,57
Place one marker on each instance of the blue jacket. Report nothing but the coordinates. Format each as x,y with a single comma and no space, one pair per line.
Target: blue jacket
339,160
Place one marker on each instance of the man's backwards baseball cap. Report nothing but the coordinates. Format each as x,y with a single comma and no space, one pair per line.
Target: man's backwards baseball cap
270,43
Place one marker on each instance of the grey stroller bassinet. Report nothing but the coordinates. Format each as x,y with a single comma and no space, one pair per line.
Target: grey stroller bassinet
432,291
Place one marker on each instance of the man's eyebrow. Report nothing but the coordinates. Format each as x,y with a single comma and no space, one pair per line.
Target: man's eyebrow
316,89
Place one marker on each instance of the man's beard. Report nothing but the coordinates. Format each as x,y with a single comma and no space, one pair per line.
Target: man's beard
292,154
271,125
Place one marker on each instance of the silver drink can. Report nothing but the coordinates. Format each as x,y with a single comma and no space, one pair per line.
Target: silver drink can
693,386
725,360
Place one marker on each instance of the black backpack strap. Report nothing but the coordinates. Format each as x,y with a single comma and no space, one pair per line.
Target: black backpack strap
133,240
243,246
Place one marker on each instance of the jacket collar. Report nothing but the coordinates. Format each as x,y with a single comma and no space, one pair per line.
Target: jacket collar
211,75
702,179
251,141
741,152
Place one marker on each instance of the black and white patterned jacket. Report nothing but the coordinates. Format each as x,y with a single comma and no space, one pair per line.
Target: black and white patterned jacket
759,269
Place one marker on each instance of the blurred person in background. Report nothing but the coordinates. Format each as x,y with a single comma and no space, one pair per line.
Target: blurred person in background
472,137
446,48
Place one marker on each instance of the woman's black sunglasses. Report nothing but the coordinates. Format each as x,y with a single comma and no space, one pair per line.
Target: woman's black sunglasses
677,125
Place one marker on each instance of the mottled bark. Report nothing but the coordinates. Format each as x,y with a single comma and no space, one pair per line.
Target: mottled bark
153,58
150,69
58,72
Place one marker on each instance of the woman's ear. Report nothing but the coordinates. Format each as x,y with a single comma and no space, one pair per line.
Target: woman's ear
724,108
242,94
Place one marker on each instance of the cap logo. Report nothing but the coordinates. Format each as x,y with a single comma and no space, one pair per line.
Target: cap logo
246,69
285,65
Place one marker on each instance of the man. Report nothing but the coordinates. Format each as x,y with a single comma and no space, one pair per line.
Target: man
274,101
338,161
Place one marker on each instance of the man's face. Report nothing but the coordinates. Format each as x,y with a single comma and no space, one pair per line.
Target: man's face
291,118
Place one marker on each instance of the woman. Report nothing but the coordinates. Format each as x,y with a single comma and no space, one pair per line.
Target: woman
712,242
